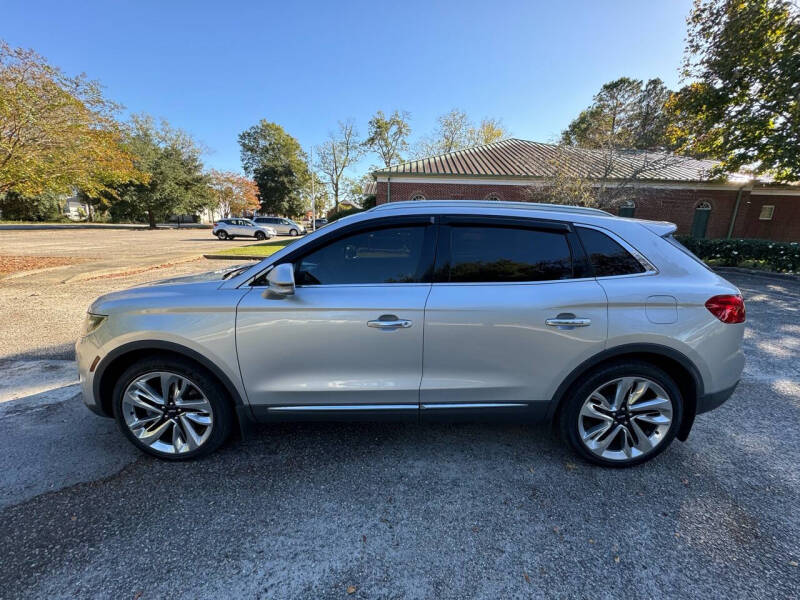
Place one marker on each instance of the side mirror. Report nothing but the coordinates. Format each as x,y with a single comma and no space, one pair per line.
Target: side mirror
281,280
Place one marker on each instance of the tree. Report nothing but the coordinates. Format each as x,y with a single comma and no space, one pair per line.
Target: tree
56,132
337,153
625,113
455,131
601,178
620,139
276,162
233,194
176,182
488,132
388,137
743,103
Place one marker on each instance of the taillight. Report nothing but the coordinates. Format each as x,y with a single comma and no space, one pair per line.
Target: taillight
728,308
215,224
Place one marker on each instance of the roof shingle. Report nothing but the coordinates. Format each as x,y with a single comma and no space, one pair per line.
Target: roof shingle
526,159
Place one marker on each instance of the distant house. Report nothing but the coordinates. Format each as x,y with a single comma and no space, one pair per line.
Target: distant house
74,208
681,191
344,205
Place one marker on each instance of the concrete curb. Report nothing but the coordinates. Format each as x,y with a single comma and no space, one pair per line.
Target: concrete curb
230,257
130,269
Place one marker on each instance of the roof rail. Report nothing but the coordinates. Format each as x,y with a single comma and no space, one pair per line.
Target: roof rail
491,204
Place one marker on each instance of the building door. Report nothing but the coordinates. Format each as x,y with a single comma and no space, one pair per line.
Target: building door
700,222
627,209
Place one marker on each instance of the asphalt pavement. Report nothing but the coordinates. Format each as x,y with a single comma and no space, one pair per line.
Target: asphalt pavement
406,511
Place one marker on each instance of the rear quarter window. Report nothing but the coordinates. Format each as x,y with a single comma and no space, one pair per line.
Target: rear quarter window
608,257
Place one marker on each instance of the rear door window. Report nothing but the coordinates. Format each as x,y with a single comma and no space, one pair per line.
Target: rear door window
487,253
607,257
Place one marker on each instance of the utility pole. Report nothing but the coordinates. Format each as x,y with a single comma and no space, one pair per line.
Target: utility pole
313,196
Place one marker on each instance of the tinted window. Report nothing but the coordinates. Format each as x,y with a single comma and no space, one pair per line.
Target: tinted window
484,254
393,255
606,255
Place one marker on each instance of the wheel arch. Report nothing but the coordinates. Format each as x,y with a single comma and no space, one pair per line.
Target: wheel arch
119,359
674,363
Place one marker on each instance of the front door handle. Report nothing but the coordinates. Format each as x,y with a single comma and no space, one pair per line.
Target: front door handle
389,322
571,321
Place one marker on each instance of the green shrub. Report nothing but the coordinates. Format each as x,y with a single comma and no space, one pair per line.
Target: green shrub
783,257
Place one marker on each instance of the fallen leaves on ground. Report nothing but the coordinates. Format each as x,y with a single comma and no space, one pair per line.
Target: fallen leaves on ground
527,577
570,466
351,589
14,264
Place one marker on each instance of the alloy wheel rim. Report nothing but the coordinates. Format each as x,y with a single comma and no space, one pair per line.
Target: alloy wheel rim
167,412
625,418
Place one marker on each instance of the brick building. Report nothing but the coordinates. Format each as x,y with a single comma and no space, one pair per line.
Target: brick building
669,189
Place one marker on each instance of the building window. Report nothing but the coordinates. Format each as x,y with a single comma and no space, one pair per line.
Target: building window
494,197
766,212
627,208
417,197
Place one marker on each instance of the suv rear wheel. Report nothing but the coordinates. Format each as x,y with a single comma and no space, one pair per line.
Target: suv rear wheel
223,235
172,408
622,414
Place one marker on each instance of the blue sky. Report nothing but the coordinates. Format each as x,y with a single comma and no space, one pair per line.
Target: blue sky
215,68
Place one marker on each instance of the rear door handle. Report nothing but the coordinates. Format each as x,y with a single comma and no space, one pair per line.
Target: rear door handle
568,322
389,322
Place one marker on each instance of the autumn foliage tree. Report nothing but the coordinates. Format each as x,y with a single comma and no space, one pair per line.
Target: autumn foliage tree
57,132
233,194
742,102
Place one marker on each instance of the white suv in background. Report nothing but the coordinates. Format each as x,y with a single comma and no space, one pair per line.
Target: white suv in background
605,327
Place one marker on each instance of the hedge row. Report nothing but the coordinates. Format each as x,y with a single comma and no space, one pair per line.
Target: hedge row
783,257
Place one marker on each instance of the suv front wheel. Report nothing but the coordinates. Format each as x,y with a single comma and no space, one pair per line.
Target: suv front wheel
172,408
622,414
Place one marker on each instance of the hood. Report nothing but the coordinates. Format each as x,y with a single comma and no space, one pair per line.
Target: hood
177,291
217,275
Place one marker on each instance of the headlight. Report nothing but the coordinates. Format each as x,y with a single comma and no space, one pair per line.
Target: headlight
92,322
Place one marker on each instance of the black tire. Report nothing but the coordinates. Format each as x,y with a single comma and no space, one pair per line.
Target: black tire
568,417
261,236
215,393
222,235
293,232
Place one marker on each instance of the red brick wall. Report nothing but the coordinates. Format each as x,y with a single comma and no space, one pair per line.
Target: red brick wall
785,223
663,204
450,191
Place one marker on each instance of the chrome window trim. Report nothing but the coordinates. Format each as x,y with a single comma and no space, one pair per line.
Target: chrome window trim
342,407
438,405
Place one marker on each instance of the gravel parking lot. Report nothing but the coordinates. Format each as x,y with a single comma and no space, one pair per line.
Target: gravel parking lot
43,310
399,511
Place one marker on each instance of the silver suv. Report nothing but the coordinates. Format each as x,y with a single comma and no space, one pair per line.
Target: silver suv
227,229
281,225
605,327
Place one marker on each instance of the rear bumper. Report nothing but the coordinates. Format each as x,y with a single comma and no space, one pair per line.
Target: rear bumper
709,402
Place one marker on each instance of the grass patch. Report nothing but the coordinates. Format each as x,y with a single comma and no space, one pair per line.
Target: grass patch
262,249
